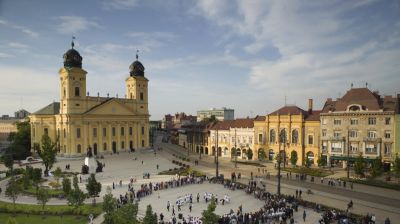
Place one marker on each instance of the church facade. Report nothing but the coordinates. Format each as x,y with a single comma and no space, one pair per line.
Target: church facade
103,124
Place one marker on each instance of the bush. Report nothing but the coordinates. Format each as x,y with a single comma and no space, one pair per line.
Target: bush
85,169
54,185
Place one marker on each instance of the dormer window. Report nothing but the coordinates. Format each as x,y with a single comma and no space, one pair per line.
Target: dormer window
354,108
77,91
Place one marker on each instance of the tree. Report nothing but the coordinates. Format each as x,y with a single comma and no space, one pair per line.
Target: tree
321,161
109,206
396,167
57,174
293,158
8,160
75,182
93,187
76,197
42,197
359,166
377,167
261,154
66,185
307,162
208,216
47,153
21,140
36,177
11,220
13,189
150,217
249,154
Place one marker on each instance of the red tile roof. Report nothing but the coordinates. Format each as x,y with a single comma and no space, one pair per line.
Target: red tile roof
293,110
237,123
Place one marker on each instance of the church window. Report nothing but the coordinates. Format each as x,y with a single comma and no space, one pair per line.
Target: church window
46,131
77,91
33,132
272,135
310,139
122,131
94,132
142,130
113,131
104,132
130,131
78,132
58,133
142,143
295,136
65,133
105,146
78,148
141,96
123,145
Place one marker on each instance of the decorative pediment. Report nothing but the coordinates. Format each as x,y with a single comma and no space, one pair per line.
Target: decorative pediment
110,107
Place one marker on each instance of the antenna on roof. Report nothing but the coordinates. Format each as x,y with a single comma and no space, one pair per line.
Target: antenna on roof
366,85
72,42
137,54
351,85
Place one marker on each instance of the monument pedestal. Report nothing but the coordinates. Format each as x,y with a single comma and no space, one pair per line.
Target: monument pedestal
91,163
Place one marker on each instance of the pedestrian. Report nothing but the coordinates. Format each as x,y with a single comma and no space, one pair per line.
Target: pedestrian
387,221
161,217
142,162
157,166
198,197
80,179
179,207
304,216
173,210
190,207
300,192
351,185
297,193
168,204
113,186
1,190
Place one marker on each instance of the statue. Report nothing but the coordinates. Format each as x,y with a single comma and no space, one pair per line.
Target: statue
89,152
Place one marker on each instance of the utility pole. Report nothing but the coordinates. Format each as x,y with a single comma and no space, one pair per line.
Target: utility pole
279,159
202,142
216,154
284,149
235,151
348,153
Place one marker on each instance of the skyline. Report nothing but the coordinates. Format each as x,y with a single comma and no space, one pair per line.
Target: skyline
245,55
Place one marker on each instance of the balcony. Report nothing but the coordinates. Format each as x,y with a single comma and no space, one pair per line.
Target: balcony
372,139
339,139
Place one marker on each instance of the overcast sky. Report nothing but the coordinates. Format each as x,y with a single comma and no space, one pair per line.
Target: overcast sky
246,55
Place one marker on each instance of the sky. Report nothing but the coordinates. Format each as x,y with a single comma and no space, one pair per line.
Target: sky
253,56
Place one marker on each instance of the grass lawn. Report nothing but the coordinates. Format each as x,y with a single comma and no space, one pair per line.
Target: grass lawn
316,172
249,163
374,182
34,219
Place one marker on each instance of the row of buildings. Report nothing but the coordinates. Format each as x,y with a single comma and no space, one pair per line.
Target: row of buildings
360,122
8,126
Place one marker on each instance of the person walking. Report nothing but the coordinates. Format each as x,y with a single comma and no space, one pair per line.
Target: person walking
198,197
190,207
304,216
297,193
168,204
173,210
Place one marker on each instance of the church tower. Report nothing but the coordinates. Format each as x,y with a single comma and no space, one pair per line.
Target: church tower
136,86
72,83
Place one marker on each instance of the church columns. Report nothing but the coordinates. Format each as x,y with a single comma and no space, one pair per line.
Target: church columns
118,133
127,136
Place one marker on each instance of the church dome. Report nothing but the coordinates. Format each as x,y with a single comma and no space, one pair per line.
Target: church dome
72,58
136,68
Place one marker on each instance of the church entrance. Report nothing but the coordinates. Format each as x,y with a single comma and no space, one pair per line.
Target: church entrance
114,147
95,149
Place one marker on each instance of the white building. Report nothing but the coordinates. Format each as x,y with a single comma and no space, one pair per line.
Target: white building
223,114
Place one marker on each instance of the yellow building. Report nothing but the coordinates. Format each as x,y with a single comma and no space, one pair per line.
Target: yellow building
301,130
104,124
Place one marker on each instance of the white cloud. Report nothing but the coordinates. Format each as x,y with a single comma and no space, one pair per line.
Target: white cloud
5,55
120,4
74,24
20,28
17,45
146,41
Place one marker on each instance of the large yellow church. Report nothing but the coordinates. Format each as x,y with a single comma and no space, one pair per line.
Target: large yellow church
104,124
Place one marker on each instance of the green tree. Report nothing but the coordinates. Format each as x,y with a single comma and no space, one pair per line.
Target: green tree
26,181
93,187
261,155
75,182
76,197
359,166
377,167
57,174
47,153
36,177
66,185
13,190
307,162
249,154
8,160
109,206
321,161
150,217
21,140
42,197
293,158
208,216
396,167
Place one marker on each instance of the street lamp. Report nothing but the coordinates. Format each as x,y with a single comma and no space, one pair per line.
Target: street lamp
216,155
235,151
348,152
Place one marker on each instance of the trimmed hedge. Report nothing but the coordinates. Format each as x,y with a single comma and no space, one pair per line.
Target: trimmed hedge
250,163
309,171
372,182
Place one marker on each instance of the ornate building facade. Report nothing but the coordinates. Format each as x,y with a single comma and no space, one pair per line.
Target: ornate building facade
104,124
360,122
289,129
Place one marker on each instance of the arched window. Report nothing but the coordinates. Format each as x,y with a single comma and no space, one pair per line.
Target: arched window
78,148
283,136
272,136
295,136
65,92
122,145
105,146
77,91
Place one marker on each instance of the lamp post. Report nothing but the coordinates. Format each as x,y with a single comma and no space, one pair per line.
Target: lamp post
279,159
235,151
216,155
348,153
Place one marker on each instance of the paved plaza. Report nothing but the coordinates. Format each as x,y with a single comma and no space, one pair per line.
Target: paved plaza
124,166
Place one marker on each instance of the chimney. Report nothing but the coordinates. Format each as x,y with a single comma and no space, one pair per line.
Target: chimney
310,105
